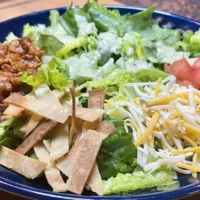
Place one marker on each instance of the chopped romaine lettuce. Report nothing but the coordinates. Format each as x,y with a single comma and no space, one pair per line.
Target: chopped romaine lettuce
119,78
108,43
52,74
105,19
117,152
69,23
7,136
160,53
145,75
49,43
82,67
54,17
77,43
11,36
138,180
132,65
132,46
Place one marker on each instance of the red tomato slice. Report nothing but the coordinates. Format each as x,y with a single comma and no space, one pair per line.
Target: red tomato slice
196,63
180,68
195,78
185,83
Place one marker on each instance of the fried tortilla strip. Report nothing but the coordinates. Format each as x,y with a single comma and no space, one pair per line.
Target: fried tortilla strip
96,99
47,144
16,111
65,163
36,136
87,114
83,161
13,110
52,174
48,107
95,181
21,164
60,141
33,123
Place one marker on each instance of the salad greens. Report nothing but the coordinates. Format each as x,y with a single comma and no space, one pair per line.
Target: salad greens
8,137
138,180
117,153
98,48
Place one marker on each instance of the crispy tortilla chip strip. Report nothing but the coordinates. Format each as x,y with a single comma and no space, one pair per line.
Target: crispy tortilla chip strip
87,114
84,161
52,174
96,99
73,113
60,141
105,128
16,111
95,181
49,108
13,110
33,123
65,163
36,136
47,144
21,164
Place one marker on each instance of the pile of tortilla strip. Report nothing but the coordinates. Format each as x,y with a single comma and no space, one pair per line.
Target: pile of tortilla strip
77,134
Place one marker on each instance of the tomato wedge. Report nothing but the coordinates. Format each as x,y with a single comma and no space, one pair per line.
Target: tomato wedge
196,63
195,78
180,68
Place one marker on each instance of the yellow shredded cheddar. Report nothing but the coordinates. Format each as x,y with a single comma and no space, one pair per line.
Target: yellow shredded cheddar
158,87
194,164
149,129
191,129
182,151
167,99
188,167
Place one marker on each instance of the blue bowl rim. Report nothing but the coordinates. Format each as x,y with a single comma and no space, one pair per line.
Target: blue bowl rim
30,192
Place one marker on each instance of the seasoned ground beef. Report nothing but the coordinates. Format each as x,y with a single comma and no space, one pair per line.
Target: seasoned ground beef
17,57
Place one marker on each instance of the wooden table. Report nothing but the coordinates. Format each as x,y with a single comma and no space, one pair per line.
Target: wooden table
13,8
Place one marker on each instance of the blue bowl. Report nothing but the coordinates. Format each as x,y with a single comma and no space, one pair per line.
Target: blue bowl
39,189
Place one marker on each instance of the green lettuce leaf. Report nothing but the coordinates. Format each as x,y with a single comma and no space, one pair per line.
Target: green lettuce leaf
49,43
117,152
132,46
82,67
152,75
105,19
11,36
144,25
76,43
52,74
69,23
138,180
54,17
7,136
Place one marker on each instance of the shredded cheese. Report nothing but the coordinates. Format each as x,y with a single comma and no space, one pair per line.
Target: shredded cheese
149,129
183,151
167,99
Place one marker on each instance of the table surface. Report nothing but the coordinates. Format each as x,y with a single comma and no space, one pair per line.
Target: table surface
13,8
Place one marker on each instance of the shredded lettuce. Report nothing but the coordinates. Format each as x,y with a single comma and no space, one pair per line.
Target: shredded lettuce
138,180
